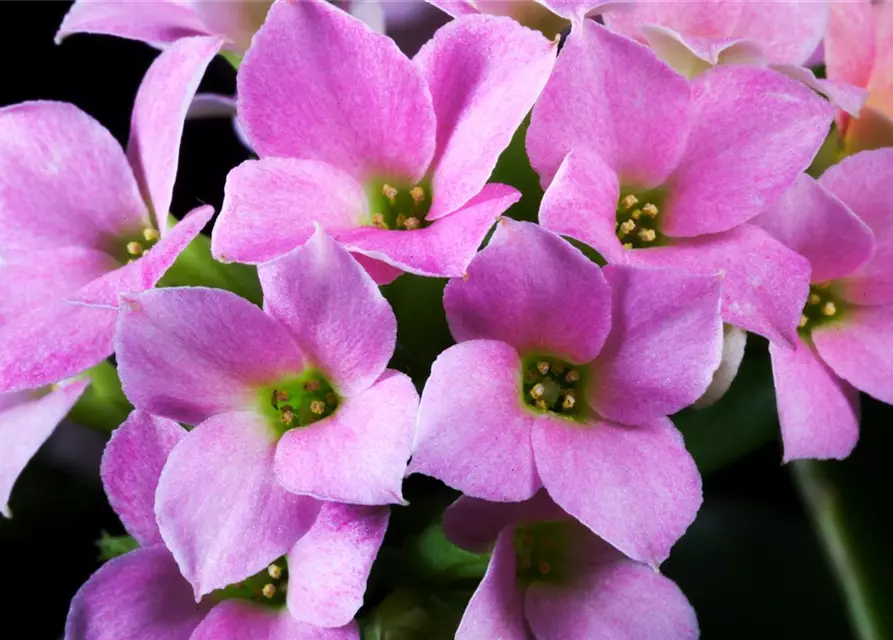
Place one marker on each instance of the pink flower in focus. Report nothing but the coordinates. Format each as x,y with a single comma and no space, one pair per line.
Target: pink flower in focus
143,596
653,170
291,403
562,379
390,155
844,225
555,578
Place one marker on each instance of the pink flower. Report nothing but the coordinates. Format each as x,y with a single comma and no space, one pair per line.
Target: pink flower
291,402
555,578
143,596
844,225
650,169
390,155
562,379
859,51
549,16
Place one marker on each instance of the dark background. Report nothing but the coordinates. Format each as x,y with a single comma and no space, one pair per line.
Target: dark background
751,564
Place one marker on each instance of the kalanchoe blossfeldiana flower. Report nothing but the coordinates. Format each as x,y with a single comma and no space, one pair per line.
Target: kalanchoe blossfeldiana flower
549,577
562,379
143,596
390,155
650,169
548,16
859,51
289,402
847,324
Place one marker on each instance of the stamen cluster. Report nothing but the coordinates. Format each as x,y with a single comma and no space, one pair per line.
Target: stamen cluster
637,220
399,209
553,385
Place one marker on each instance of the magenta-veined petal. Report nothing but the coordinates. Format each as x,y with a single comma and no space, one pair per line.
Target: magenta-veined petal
158,22
473,428
241,619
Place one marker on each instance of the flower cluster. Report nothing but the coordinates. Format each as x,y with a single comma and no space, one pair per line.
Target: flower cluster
269,445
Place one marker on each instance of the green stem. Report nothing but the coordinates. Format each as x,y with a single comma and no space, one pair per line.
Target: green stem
103,406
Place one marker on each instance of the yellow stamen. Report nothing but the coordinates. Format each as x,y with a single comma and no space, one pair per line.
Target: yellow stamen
312,385
134,248
150,234
400,220
378,221
542,367
572,376
568,402
389,192
318,407
538,391
629,201
803,321
417,194
541,405
274,571
411,223
627,227
269,591
647,235
635,215
288,415
278,396
814,298
829,309
627,245
650,209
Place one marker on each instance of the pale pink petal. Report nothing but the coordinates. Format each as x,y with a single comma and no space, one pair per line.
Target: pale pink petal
850,42
581,203
711,20
862,182
443,249
131,465
756,130
818,412
634,486
665,343
484,74
138,596
880,86
330,564
159,112
188,353
64,181
319,84
489,456
577,9
858,349
496,609
270,207
333,310
533,290
238,20
612,600
764,286
614,96
819,227
456,8
845,96
211,105
381,272
27,418
158,22
358,454
219,508
691,55
787,32
733,344
240,619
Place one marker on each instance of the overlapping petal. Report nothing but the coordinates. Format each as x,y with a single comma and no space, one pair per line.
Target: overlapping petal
240,619
158,22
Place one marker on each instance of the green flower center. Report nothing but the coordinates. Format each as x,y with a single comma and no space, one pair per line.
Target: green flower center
553,385
268,587
637,218
398,207
299,401
822,308
134,245
540,552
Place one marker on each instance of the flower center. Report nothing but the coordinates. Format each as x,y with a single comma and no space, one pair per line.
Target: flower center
822,307
398,207
134,246
637,216
299,401
539,552
553,385
267,587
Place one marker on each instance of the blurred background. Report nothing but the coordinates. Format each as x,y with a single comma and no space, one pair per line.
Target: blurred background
752,564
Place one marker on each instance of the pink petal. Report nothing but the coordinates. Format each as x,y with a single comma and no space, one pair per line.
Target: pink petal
862,182
319,84
490,456
787,32
446,247
709,20
764,286
238,20
357,455
381,272
845,96
873,129
526,288
131,466
27,419
734,341
756,130
330,564
665,343
240,619
219,508
484,74
64,181
691,55
271,205
159,112
619,599
614,96
496,609
157,22
456,8
333,310
188,353
577,9
137,596
635,487
858,349
850,43
818,412
820,228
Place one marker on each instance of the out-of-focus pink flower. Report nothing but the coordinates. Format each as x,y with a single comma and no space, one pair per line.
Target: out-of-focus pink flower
292,403
389,155
563,378
555,578
548,16
844,225
651,169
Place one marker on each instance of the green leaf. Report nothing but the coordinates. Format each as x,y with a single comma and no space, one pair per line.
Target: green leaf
437,560
414,614
114,546
103,405
513,168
